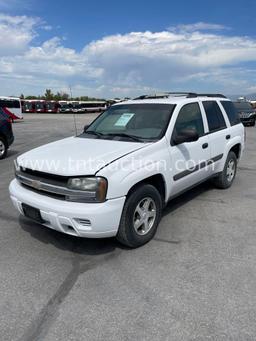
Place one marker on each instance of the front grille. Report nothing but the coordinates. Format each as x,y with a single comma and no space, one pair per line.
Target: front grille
50,185
244,115
51,178
48,194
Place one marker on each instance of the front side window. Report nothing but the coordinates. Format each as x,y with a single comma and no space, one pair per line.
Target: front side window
189,117
214,116
142,121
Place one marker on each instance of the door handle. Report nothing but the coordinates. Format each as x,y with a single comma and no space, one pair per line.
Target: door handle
205,145
228,137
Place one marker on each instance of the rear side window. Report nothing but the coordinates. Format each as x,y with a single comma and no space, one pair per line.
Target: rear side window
232,112
214,116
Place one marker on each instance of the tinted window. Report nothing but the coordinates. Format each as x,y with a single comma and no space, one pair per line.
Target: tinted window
231,112
214,116
9,103
243,106
3,115
190,117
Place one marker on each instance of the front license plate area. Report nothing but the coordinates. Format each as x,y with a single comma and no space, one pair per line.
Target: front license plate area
32,213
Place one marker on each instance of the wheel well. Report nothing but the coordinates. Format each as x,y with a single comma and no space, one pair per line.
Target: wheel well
157,181
236,149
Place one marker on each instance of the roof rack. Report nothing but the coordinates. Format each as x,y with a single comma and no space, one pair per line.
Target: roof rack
155,96
177,94
211,95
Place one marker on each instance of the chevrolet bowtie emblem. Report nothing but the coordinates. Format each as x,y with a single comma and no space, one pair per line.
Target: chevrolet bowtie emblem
36,184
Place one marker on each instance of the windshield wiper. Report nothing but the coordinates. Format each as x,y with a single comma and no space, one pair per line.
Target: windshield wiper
133,137
92,132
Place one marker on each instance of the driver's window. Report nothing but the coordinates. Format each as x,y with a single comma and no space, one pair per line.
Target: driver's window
189,117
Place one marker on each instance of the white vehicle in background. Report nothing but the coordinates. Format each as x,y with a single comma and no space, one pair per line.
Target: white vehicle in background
92,106
128,164
11,106
75,106
65,106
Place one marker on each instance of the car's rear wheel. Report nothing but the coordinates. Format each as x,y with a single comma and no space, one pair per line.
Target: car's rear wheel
141,216
3,148
227,176
253,123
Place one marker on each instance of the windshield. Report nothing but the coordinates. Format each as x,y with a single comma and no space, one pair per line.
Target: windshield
50,106
28,106
243,106
76,106
40,105
143,121
64,106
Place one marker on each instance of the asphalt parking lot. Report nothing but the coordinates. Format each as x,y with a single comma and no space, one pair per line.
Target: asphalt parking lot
194,281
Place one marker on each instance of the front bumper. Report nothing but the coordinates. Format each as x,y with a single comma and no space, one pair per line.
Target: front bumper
77,219
248,120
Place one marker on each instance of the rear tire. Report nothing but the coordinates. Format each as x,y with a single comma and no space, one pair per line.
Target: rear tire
141,216
3,148
252,124
225,179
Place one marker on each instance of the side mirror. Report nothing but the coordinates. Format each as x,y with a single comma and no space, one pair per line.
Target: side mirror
86,127
185,135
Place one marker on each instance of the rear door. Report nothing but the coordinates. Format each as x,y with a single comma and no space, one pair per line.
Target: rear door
218,132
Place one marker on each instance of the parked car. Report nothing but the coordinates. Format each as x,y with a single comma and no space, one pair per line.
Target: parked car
128,164
6,134
246,112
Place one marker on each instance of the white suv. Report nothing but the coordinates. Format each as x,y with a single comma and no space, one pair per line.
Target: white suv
115,178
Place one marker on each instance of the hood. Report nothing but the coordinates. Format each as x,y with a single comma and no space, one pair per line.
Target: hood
247,111
75,156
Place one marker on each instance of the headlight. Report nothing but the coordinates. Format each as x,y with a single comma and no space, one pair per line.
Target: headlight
90,189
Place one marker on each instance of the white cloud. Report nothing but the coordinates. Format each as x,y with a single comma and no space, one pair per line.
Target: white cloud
16,32
128,64
47,27
199,26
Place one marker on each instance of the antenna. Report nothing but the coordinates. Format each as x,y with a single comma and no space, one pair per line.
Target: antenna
74,115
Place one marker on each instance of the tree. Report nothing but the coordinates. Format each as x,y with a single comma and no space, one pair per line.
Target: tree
48,95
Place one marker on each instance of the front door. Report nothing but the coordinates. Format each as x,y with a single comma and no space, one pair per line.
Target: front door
189,160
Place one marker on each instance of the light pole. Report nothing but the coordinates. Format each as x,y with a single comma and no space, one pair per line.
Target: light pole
70,89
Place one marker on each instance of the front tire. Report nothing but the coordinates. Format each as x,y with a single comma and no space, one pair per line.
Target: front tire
3,148
227,176
141,216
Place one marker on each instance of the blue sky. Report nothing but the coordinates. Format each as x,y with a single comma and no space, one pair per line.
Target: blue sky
113,48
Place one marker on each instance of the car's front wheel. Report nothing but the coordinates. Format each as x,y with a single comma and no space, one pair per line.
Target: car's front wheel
3,148
141,216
